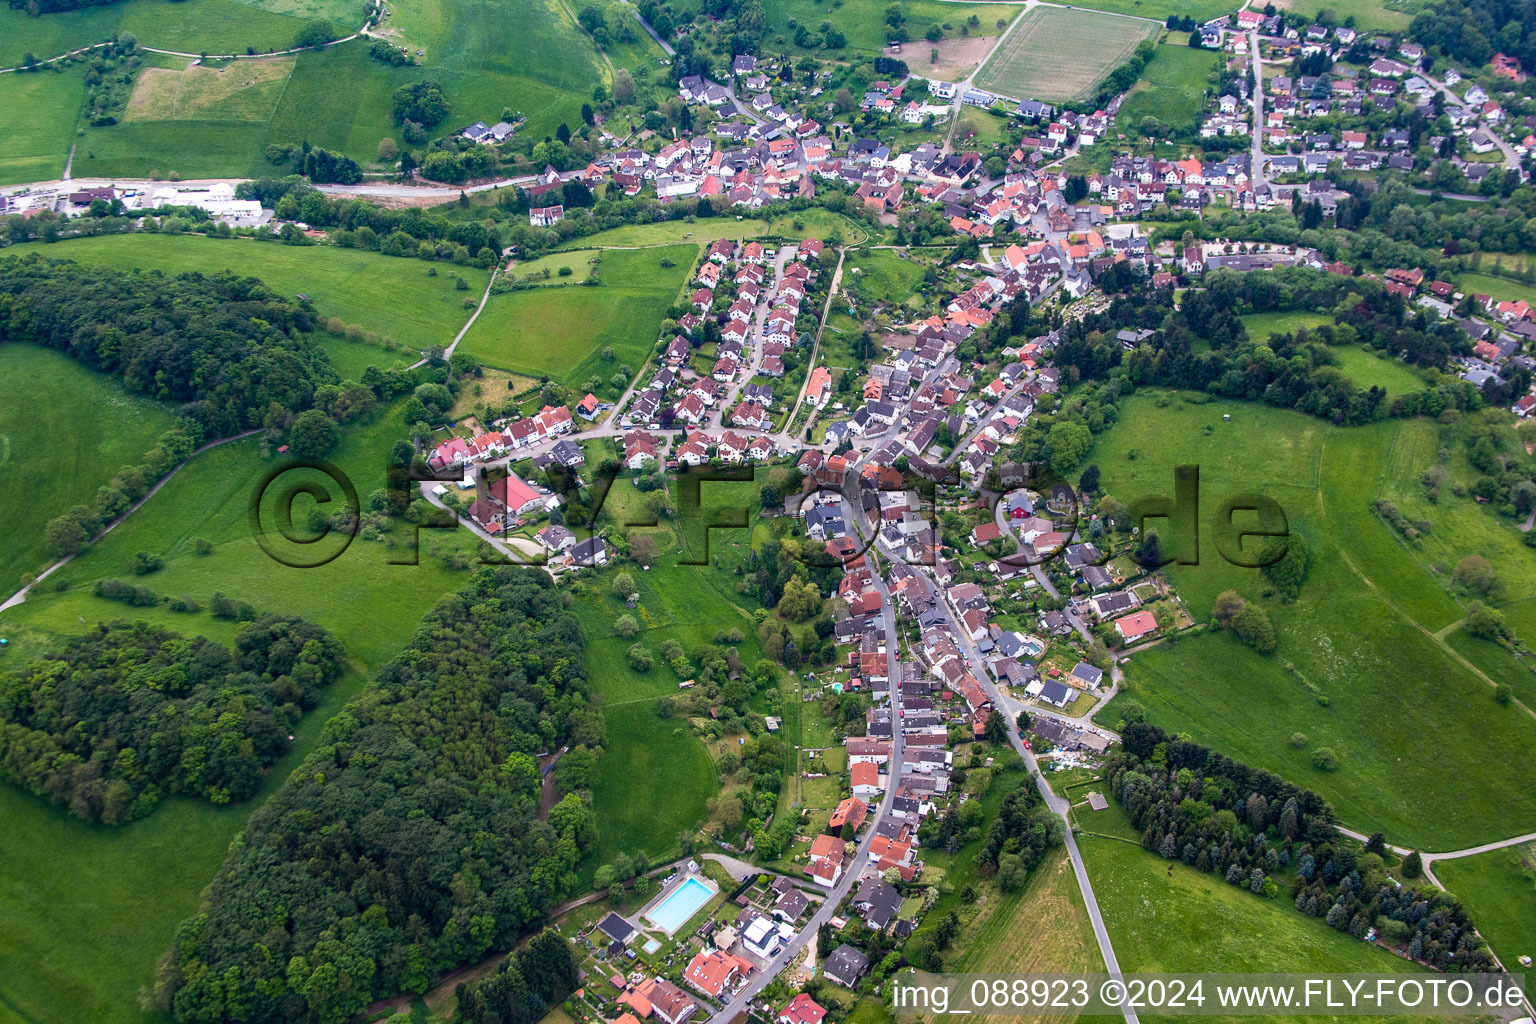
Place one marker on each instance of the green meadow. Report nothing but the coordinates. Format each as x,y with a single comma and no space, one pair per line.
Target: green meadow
863,23
1359,668
1173,86
1166,918
89,908
189,26
64,432
526,56
560,332
393,297
42,109
812,223
1499,891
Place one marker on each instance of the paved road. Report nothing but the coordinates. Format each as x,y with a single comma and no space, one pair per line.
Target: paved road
1511,158
1058,805
739,1002
1256,173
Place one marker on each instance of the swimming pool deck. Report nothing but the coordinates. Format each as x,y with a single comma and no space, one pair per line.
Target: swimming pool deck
650,923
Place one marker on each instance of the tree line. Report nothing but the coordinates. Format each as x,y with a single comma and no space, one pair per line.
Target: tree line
1249,826
408,843
223,347
130,713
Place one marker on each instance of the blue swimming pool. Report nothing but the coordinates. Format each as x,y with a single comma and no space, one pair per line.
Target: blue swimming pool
680,904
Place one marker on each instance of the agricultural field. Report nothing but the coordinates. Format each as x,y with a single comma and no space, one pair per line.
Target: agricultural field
64,432
863,23
561,331
1042,928
42,109
1172,918
395,298
1173,86
1359,669
1061,54
339,98
1499,891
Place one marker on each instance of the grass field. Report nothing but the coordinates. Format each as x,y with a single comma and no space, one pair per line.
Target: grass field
863,24
1499,891
813,223
190,26
89,908
1172,88
1501,288
246,90
1368,14
64,432
44,107
883,276
1059,54
562,331
1042,928
390,296
1366,369
524,55
655,779
1360,638
1158,10
1163,920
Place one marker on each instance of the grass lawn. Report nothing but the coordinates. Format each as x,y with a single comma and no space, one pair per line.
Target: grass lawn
1501,288
44,107
1172,88
562,331
979,129
1261,325
863,24
1059,54
395,298
1499,891
1358,669
64,432
1187,920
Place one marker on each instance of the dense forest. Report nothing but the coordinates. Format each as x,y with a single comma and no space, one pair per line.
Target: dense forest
1292,371
1218,815
408,842
131,713
1472,31
225,347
